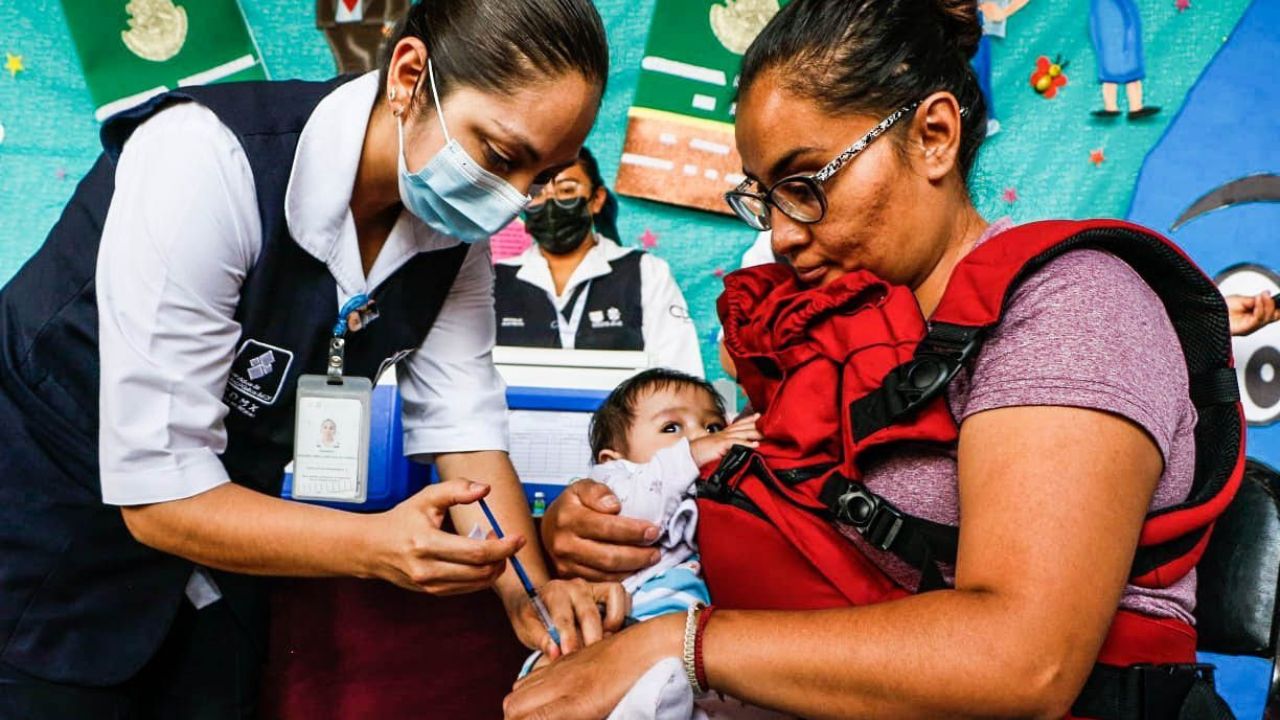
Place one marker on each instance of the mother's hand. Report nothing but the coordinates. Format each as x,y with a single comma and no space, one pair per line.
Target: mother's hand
588,684
586,537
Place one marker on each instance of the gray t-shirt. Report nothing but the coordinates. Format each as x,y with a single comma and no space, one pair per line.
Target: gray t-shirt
1085,331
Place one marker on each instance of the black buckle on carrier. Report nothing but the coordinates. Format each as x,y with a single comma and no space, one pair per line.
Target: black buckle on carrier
1160,690
875,519
911,385
940,355
715,485
1142,692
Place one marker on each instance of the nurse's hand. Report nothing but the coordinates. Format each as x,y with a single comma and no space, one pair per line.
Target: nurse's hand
584,613
410,550
586,537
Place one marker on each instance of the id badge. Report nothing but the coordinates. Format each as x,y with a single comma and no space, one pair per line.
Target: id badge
331,438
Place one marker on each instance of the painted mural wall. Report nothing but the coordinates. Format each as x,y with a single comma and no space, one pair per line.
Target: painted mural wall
1084,91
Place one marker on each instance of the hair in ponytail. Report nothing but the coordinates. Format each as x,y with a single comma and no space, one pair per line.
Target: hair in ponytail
606,221
875,56
497,45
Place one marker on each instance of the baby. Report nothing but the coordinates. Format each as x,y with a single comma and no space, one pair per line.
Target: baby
648,440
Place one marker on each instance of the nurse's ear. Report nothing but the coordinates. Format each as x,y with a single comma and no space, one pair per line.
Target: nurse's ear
406,75
937,125
598,197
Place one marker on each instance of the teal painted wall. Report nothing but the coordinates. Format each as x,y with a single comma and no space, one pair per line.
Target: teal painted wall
1042,151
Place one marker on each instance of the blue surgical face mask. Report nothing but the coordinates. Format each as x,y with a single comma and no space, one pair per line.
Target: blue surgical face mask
453,194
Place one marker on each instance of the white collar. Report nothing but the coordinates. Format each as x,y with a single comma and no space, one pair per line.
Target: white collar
317,202
535,270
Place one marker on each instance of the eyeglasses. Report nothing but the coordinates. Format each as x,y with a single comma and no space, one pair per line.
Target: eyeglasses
800,197
562,191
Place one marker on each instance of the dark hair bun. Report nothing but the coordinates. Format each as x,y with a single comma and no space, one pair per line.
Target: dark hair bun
875,56
960,24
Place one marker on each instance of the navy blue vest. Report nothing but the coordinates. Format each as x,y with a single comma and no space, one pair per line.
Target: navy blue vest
80,600
613,318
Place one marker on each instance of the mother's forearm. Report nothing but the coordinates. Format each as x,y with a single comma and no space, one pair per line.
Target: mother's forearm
947,653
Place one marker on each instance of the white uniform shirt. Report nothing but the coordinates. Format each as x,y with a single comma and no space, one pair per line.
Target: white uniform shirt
182,233
760,252
669,334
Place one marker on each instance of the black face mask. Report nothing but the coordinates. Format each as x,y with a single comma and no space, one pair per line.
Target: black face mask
559,228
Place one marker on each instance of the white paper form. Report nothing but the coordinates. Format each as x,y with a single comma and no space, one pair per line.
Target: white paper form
550,448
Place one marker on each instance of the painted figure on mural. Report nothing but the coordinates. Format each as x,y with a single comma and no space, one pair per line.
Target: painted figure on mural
1115,27
994,16
356,29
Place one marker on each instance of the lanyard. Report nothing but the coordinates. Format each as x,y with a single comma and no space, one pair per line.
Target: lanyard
361,306
574,318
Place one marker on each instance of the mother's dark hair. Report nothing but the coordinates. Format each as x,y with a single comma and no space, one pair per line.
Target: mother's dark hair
875,56
500,45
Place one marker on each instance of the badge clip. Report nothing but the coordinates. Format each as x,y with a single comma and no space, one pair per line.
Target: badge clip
337,356
331,430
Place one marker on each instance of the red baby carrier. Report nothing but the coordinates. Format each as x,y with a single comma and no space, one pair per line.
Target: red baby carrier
851,370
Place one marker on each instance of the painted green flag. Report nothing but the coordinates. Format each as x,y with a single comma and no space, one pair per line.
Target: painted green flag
132,50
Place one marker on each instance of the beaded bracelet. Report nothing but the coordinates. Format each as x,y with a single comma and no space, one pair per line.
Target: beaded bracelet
691,647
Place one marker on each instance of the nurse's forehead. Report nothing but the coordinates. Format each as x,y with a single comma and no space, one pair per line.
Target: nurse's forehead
518,137
538,109
526,148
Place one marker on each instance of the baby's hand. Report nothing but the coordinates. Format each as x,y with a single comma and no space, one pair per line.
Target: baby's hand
711,448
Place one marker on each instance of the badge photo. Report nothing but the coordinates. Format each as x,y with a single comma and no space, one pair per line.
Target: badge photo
331,439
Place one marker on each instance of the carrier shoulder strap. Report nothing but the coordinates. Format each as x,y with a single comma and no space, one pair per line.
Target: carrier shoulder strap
1173,538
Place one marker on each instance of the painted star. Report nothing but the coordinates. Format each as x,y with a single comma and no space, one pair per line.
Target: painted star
1182,5
1010,195
61,174
13,63
718,272
1096,157
648,240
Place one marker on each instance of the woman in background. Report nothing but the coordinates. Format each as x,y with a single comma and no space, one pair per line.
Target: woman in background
576,287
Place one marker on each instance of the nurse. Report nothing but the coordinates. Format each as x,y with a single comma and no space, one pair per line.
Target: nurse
234,238
576,287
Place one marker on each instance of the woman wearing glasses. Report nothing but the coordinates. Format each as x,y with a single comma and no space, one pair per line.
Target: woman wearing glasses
858,122
576,287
